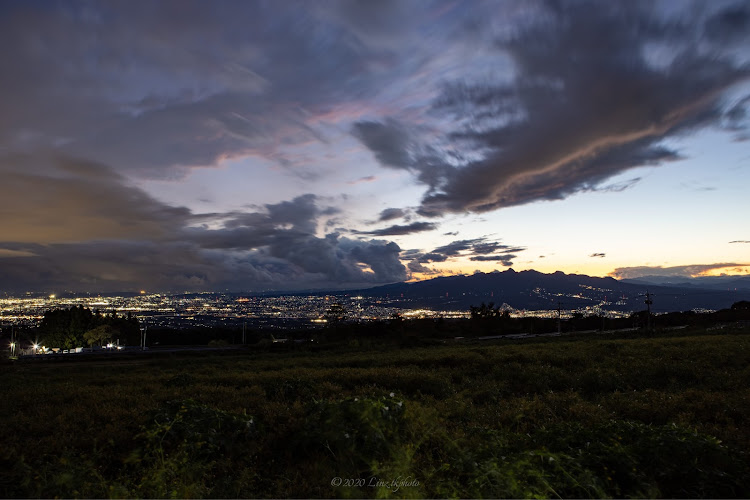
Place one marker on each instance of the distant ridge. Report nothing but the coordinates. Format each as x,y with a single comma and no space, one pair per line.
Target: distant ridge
534,290
728,283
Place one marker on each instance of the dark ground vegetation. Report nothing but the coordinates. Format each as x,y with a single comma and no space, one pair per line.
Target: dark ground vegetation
591,416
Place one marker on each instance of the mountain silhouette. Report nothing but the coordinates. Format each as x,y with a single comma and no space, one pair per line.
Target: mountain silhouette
534,291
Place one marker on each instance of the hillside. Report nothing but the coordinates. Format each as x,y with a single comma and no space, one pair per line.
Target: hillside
534,290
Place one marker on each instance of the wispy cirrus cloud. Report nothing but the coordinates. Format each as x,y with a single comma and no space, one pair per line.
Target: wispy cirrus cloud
368,178
400,230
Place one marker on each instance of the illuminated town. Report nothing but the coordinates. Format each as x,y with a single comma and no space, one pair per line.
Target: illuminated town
212,309
215,309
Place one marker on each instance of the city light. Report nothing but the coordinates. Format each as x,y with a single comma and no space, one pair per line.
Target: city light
208,310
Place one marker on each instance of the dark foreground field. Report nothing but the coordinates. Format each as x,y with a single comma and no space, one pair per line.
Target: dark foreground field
567,417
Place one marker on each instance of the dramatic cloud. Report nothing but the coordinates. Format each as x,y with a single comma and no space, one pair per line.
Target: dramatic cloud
478,249
397,230
102,235
478,246
49,199
153,88
594,94
730,25
189,145
389,141
674,271
415,266
396,147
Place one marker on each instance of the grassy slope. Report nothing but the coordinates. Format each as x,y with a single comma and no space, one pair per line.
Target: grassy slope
95,430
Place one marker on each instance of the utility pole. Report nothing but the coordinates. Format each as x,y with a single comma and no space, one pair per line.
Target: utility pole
243,332
648,305
559,312
143,337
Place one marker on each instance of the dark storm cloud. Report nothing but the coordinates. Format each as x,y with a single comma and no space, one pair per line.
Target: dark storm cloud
99,96
598,87
289,220
398,230
506,260
391,214
394,146
675,271
494,247
186,265
176,266
285,234
388,141
476,246
477,249
102,235
410,253
415,266
104,93
125,265
432,257
598,255
151,87
53,199
731,24
372,23
381,256
455,247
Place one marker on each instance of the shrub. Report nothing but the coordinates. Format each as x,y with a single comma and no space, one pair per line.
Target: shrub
187,446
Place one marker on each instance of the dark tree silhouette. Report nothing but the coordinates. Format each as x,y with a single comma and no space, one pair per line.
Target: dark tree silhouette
99,335
484,311
65,328
335,314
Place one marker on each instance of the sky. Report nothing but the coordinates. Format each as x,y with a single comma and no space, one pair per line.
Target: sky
262,145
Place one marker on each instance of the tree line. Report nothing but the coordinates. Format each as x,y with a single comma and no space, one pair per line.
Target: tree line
78,326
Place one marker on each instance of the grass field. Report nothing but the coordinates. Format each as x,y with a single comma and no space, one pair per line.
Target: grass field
565,417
